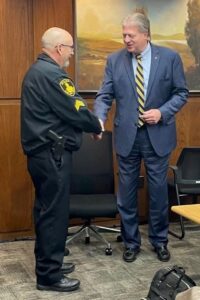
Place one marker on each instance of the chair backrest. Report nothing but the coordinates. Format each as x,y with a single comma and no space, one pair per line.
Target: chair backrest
188,166
92,168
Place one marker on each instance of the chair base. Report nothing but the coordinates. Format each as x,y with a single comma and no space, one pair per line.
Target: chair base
87,228
184,227
182,233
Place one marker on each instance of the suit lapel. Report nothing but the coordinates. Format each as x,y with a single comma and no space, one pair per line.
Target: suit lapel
129,69
155,57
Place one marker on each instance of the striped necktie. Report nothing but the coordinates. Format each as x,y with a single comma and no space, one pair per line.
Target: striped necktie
139,80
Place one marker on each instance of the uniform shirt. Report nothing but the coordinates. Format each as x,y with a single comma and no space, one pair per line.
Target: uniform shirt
49,101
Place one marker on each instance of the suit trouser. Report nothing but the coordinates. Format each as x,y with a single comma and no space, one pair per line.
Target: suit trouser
156,171
51,212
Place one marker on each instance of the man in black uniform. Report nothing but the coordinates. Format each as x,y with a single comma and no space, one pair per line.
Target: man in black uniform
53,117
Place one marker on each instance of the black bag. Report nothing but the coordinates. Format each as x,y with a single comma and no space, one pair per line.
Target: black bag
168,282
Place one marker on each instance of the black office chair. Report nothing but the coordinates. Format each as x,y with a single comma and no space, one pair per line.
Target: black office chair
92,187
186,179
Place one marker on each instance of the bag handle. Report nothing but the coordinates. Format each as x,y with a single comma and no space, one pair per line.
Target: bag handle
178,270
181,272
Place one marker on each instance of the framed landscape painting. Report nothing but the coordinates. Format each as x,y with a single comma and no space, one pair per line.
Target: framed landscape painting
174,23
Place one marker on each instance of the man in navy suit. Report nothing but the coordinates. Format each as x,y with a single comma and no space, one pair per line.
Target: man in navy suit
165,93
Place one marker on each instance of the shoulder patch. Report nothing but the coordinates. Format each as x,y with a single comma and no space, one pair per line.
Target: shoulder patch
78,104
67,86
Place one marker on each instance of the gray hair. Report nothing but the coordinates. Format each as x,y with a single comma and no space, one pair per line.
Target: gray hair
140,20
52,37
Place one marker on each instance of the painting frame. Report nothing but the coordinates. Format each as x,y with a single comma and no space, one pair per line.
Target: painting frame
87,91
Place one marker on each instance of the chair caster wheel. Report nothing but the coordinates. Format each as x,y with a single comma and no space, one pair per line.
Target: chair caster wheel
108,251
87,240
119,238
67,252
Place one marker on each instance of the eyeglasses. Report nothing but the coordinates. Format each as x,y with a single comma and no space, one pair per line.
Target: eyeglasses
72,47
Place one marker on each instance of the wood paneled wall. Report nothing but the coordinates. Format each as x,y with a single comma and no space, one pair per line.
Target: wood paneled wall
15,45
52,13
16,52
22,23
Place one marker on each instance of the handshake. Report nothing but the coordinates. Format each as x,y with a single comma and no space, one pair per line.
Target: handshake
98,137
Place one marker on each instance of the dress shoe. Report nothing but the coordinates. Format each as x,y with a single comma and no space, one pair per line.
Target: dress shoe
67,268
130,254
64,285
162,253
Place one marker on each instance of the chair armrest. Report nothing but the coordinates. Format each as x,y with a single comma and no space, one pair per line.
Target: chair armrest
174,169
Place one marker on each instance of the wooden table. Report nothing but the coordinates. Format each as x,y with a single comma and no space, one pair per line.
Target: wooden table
191,211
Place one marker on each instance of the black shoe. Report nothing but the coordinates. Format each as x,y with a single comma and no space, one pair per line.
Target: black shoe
162,253
130,254
64,285
67,268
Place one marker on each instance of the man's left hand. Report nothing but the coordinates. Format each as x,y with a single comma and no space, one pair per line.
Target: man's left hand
151,116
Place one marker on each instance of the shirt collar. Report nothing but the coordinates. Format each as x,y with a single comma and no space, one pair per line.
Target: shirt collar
146,50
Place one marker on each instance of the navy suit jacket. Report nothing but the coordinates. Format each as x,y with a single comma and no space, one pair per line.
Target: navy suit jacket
166,91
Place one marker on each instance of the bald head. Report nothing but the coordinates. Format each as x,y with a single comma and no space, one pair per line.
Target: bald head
58,44
54,36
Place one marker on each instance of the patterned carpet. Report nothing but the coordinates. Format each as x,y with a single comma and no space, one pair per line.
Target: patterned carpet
101,276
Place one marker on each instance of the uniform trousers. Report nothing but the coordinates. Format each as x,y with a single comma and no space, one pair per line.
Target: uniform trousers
156,171
51,212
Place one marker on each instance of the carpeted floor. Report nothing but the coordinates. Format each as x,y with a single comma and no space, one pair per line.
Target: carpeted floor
101,276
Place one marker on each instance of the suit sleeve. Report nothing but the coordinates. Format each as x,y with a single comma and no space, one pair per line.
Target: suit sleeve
104,97
70,106
179,92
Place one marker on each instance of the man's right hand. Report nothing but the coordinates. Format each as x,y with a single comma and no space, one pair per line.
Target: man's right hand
98,137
